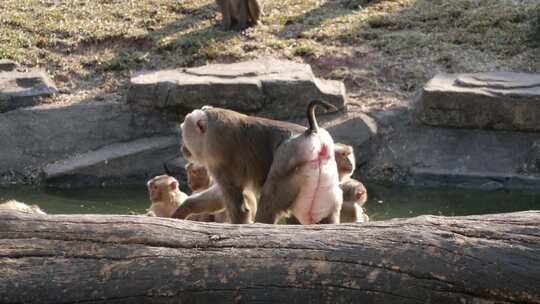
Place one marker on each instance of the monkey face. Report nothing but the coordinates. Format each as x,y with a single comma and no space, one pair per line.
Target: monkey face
197,176
194,129
354,191
160,185
345,159
154,191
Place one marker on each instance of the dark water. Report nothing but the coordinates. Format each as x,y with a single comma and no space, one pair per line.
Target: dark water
113,200
384,201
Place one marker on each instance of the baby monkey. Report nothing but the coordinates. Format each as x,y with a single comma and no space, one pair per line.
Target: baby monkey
199,180
354,197
354,192
19,206
197,177
164,195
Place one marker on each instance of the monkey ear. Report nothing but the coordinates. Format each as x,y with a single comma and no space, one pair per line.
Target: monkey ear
173,185
200,126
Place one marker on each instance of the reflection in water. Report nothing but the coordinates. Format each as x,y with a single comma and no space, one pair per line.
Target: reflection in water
398,201
384,201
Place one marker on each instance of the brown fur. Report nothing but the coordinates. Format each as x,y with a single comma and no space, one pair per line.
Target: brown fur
164,195
239,13
198,178
354,192
238,151
19,206
198,181
354,197
345,160
292,171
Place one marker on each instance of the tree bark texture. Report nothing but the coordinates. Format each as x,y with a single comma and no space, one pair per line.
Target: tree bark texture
136,259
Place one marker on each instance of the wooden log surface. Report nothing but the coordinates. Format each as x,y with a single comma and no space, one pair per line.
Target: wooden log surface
135,259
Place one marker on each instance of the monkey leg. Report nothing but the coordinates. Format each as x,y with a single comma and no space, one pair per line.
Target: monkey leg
292,220
276,199
226,14
236,205
279,191
254,11
242,14
332,218
267,214
251,204
208,201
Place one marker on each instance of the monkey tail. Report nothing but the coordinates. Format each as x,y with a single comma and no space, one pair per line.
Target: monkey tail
313,126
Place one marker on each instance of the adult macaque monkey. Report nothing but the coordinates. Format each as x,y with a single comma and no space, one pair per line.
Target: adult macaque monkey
19,206
239,13
239,152
303,178
164,195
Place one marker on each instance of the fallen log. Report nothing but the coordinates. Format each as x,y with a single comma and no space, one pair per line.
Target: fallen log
132,259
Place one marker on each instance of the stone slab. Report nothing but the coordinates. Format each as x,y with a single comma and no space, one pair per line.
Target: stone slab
24,89
268,87
33,137
134,161
355,129
421,155
497,100
7,65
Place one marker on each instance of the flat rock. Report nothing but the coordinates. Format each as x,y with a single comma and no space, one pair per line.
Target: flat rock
355,129
421,155
34,137
496,100
137,160
23,89
7,65
269,87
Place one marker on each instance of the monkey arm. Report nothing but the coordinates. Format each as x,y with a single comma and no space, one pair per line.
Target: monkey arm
208,201
349,212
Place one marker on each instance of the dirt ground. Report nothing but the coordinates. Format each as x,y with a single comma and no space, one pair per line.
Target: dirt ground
383,50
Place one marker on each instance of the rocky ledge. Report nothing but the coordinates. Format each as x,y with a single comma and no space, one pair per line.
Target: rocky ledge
22,89
267,87
495,100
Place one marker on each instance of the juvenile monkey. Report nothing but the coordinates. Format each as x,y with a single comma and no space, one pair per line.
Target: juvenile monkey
239,151
354,192
199,180
345,160
164,195
354,197
19,206
239,13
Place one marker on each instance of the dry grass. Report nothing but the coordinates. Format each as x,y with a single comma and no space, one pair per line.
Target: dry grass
383,50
